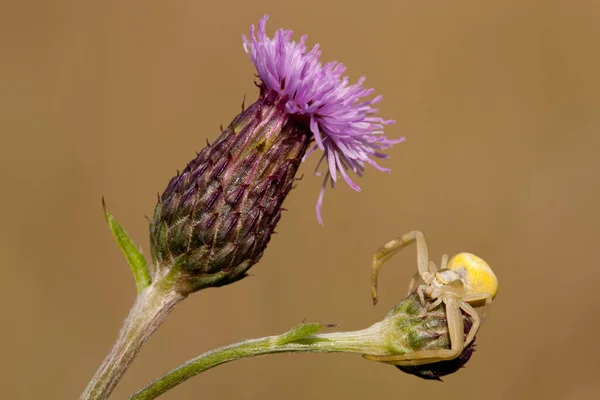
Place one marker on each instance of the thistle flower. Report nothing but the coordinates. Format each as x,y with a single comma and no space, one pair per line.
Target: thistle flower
341,121
215,219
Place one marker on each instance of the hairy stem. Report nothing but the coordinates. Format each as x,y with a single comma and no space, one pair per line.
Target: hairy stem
363,341
151,307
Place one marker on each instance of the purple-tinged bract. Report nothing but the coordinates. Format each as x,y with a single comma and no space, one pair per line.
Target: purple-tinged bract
215,218
339,115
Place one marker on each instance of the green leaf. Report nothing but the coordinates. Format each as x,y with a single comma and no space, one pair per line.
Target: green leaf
300,332
134,256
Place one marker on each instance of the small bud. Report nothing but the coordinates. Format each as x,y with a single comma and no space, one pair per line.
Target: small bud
435,371
410,327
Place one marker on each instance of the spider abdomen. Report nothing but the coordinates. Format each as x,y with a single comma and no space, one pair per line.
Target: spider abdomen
476,274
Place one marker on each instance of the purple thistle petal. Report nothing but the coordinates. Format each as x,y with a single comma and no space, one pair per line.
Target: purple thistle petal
346,177
314,128
331,163
320,199
341,120
309,152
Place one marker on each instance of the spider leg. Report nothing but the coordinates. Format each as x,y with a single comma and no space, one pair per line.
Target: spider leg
456,335
478,298
476,321
413,282
432,269
420,291
436,303
415,278
391,248
444,263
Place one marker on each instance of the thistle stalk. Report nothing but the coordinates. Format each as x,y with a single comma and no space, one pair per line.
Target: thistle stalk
150,309
408,327
342,342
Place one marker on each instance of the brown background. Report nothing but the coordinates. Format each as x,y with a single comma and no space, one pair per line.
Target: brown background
498,99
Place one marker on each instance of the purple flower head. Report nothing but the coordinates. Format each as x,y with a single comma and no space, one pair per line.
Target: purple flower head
341,120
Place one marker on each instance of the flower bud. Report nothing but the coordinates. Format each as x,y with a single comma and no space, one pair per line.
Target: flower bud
410,327
216,217
436,332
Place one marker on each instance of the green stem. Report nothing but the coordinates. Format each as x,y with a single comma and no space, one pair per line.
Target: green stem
298,340
151,307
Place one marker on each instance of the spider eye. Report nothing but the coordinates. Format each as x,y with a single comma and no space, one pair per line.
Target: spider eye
475,272
440,278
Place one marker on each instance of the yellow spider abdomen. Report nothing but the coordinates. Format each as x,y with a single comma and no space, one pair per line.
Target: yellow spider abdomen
476,273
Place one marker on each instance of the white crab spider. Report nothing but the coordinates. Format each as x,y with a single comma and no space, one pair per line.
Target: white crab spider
464,282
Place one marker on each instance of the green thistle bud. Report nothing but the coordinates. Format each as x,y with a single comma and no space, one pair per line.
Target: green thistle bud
410,327
215,219
430,332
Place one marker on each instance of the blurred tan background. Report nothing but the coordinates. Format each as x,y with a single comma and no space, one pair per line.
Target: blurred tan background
498,100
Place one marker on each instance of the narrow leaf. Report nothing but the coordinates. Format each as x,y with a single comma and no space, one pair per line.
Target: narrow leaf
300,332
134,256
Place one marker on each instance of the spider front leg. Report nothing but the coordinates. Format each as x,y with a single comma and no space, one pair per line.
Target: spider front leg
456,335
390,249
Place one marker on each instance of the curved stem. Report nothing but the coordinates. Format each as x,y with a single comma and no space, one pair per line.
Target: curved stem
151,307
298,340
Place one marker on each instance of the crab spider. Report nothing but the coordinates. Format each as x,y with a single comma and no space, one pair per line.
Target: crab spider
463,282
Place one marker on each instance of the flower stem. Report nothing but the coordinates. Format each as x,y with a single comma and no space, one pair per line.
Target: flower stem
298,340
151,307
